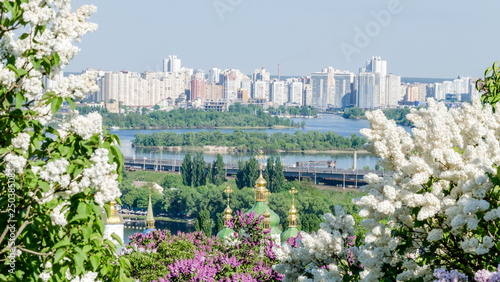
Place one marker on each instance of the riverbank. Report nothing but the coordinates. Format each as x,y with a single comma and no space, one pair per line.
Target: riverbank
227,150
203,127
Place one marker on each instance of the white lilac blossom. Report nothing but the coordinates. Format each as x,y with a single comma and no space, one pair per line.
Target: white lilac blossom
87,277
22,141
85,126
58,216
454,147
15,162
101,177
316,251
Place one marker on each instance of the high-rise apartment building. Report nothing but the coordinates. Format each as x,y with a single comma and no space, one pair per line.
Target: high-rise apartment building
172,64
260,90
295,92
343,89
278,93
393,91
323,89
198,86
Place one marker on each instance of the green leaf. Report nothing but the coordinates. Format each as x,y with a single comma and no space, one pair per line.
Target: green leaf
59,255
19,101
87,231
117,238
94,261
71,102
56,59
56,104
100,226
63,243
78,259
44,185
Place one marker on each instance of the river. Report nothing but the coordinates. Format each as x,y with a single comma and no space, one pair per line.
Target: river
327,122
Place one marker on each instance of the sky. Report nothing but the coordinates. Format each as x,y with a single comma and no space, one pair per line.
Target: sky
424,38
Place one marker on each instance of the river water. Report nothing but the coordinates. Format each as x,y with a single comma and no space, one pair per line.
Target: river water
327,122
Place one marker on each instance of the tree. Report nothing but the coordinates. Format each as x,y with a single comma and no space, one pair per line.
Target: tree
251,172
279,177
240,175
219,175
55,181
156,107
187,170
204,223
219,222
269,173
199,170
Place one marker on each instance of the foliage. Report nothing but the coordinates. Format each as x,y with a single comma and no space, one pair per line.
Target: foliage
195,257
190,118
203,223
354,113
55,181
251,140
247,173
490,86
187,170
294,111
398,115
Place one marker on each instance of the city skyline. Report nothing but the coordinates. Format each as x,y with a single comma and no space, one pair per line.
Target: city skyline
424,39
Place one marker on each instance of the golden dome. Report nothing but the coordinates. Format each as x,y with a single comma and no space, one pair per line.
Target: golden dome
227,215
260,189
228,210
261,181
293,211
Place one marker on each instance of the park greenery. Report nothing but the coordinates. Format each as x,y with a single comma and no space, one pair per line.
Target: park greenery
55,182
252,140
398,115
181,201
238,116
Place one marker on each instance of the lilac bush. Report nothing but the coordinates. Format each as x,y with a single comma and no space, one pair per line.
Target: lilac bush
246,256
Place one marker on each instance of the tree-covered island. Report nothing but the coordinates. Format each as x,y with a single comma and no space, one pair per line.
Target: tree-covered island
237,116
241,141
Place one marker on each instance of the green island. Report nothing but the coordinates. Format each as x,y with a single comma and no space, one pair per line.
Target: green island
240,140
238,116
398,115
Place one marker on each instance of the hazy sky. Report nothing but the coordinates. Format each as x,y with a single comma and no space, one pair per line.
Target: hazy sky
424,38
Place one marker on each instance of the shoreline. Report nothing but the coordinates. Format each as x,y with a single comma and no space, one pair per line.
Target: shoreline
203,127
226,149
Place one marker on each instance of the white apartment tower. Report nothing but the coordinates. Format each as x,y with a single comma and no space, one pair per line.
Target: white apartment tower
343,89
278,93
172,64
323,89
295,92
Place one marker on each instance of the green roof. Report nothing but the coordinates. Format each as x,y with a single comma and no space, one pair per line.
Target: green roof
226,231
259,208
289,233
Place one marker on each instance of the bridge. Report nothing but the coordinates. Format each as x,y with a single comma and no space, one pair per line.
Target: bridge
325,174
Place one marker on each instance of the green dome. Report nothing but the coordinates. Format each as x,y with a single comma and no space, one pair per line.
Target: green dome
259,208
289,233
226,231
